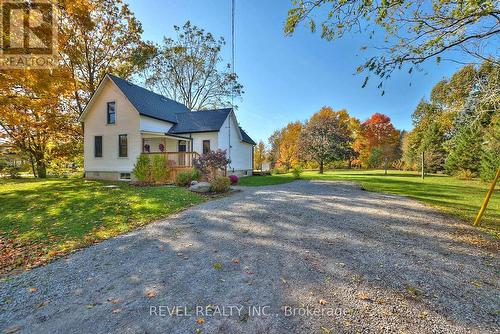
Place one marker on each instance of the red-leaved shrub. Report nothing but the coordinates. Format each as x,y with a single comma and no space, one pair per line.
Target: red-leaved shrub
233,179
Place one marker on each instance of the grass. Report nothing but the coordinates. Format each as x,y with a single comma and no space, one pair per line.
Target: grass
460,198
41,219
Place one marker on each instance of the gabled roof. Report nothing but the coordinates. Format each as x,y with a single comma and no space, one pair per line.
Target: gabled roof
246,138
148,103
200,121
157,106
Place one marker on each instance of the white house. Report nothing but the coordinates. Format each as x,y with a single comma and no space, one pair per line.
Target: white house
123,120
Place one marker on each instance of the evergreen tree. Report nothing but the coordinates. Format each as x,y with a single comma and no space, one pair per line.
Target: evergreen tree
490,159
465,152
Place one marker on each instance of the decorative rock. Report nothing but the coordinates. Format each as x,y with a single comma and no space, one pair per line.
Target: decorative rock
201,187
194,183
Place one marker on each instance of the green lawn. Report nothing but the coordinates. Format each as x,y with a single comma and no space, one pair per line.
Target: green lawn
461,198
40,219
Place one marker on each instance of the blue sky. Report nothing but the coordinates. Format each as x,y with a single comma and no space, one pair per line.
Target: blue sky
290,78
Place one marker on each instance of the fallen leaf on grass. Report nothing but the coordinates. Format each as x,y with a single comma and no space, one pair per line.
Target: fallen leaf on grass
322,302
118,310
236,261
151,294
200,321
33,290
283,280
217,266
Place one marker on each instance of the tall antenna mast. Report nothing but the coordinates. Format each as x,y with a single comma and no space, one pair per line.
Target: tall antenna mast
232,67
232,47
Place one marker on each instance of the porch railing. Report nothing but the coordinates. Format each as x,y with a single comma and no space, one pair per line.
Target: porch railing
179,159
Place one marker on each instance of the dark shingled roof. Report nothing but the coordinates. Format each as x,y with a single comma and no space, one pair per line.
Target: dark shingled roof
246,137
148,103
159,107
200,121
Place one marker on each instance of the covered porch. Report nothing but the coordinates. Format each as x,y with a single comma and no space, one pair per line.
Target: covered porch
177,149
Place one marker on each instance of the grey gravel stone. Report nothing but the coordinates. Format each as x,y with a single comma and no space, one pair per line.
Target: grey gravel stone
382,263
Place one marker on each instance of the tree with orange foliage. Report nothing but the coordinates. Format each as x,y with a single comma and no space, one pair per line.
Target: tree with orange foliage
379,140
35,117
327,137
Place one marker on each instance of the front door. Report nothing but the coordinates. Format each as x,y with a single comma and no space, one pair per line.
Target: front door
182,156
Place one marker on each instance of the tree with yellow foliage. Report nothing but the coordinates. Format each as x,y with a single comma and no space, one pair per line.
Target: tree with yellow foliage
259,155
289,145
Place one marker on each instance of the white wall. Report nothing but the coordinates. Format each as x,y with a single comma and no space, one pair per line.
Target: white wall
198,139
154,125
241,152
95,124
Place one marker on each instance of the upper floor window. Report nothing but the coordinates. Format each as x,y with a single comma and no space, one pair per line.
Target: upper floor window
206,146
111,113
98,146
122,146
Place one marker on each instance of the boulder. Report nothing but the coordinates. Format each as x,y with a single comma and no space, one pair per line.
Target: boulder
201,187
194,183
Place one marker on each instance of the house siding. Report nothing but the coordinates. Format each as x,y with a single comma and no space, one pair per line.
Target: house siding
241,152
154,125
95,124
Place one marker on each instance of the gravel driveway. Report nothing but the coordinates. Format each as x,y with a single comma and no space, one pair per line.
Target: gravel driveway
304,257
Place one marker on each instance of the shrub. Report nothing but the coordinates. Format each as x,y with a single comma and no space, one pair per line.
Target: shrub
159,169
221,184
196,175
278,170
465,174
211,162
233,179
142,169
12,171
297,171
183,179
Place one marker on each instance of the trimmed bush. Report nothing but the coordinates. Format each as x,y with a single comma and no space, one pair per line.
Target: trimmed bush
142,170
297,171
183,179
196,175
152,169
159,169
233,179
221,184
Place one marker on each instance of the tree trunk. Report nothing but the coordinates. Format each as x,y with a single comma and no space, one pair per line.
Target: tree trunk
350,164
41,167
321,167
385,166
33,169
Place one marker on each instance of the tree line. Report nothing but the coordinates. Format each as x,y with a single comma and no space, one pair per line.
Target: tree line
332,138
456,131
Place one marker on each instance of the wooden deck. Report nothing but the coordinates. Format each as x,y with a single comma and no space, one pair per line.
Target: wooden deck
178,162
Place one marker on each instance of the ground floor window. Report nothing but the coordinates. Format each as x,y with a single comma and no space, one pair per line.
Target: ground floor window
98,146
125,176
206,146
122,146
